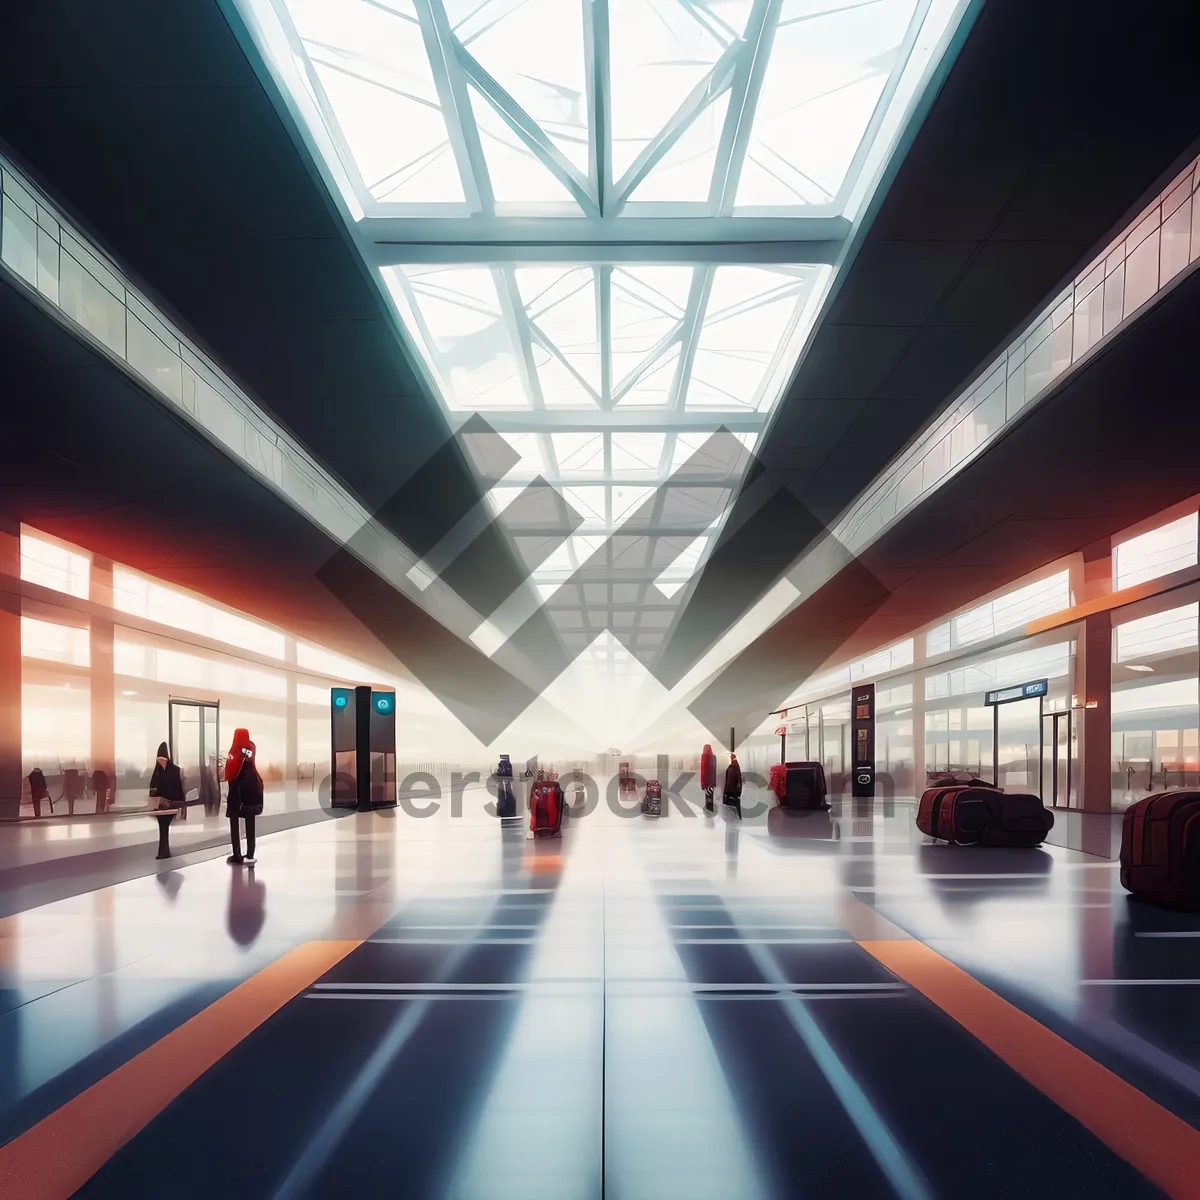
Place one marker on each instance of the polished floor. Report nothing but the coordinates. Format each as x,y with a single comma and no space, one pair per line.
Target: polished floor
788,1006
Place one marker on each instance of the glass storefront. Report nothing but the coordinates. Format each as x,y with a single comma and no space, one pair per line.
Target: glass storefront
1155,704
98,696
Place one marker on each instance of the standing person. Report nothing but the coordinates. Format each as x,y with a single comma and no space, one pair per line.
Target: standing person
166,782
733,786
244,798
708,775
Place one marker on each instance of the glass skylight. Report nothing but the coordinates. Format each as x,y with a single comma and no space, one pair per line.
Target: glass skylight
721,106
608,229
510,337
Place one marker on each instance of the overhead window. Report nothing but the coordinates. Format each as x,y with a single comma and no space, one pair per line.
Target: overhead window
1170,547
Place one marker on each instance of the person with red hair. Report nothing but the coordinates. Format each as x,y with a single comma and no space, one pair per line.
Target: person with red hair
708,775
244,798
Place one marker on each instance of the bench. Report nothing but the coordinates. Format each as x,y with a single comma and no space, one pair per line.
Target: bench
164,817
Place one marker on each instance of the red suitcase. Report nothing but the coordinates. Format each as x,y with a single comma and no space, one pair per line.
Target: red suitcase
778,780
929,811
546,808
1160,850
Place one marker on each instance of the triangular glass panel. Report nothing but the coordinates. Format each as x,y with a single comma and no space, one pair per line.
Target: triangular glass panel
534,50
560,386
658,53
653,389
646,306
588,502
625,501
399,145
561,304
376,75
685,172
734,354
827,70
517,175
637,453
468,340
578,453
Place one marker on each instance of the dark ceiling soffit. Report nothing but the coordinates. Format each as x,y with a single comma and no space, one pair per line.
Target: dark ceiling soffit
331,199
824,625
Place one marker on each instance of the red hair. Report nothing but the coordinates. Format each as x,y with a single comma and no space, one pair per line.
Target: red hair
233,761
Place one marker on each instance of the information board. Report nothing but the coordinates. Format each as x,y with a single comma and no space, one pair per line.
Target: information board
862,740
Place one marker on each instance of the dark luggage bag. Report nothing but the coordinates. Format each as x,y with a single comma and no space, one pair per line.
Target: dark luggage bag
984,816
1160,850
546,808
929,808
506,802
652,802
804,786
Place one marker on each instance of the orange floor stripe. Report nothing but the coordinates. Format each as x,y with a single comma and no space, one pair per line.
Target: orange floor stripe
62,1152
1161,1146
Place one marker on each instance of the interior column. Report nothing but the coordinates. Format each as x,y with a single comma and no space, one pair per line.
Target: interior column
103,679
10,668
1093,680
291,768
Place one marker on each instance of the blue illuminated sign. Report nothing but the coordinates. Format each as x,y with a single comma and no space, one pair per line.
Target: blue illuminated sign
340,699
384,702
1019,691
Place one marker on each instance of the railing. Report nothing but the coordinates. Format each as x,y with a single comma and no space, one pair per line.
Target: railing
1162,243
38,246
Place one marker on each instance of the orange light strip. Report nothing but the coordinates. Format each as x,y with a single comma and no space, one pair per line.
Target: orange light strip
63,1151
1165,1149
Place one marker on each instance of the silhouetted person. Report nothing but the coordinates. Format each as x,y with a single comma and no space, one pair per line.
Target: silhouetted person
708,776
166,782
73,788
38,791
733,785
244,799
100,790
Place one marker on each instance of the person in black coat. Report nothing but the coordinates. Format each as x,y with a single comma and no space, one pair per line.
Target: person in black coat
733,785
166,783
244,800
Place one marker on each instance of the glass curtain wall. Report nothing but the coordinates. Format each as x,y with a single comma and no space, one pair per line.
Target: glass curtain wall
957,725
104,705
1155,704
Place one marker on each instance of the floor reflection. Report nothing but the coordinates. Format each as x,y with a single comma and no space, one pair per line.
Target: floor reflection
638,1008
247,906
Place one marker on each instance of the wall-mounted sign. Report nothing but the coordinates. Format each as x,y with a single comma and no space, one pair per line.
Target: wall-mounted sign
862,734
1019,691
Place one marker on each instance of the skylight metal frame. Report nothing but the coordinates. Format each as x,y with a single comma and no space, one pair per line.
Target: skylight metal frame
599,224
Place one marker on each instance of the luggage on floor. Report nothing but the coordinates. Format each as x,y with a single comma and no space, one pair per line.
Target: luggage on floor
506,802
984,816
804,786
546,808
1160,849
777,780
929,808
652,801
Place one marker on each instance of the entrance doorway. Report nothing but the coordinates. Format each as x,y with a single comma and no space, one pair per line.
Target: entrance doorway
1057,753
195,745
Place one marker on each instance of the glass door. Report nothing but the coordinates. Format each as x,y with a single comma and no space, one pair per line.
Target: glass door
195,730
210,757
1018,727
1057,752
